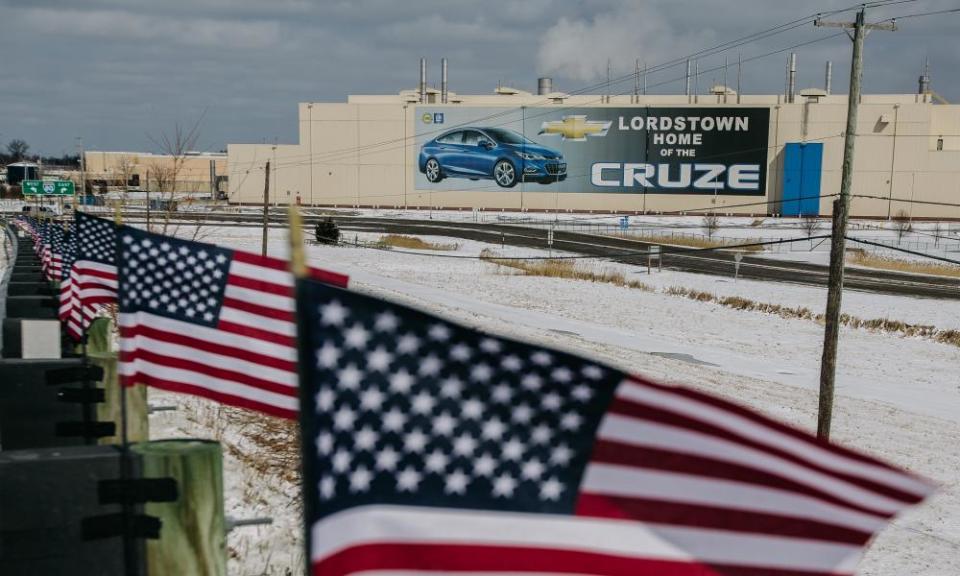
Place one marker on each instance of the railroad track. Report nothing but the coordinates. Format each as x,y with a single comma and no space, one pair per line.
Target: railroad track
615,249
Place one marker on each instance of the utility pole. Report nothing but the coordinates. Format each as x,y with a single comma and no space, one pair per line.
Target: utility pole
636,80
644,77
841,209
266,208
83,169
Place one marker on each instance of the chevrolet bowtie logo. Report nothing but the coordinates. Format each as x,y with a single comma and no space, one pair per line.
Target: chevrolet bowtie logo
575,128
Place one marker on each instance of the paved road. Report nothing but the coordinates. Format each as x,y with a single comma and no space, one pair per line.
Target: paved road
629,251
703,262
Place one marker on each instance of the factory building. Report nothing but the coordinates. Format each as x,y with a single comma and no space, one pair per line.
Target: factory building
193,172
512,150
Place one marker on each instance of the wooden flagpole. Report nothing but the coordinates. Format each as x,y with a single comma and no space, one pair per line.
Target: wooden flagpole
298,267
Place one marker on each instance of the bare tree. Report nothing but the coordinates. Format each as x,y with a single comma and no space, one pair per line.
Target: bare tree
175,144
125,167
711,222
17,149
902,224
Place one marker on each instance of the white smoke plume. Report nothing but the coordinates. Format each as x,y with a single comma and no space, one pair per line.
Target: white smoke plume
579,49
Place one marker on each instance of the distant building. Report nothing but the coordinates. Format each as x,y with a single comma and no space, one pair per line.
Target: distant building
196,172
20,171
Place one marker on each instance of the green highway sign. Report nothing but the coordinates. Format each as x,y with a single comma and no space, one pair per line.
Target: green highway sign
47,188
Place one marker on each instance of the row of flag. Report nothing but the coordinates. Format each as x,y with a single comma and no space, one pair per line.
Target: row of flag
432,447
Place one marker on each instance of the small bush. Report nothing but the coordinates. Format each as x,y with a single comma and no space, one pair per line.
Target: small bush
951,337
326,231
412,242
810,224
861,257
555,268
902,224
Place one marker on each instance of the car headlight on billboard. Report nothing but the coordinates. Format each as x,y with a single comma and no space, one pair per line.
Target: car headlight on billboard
530,156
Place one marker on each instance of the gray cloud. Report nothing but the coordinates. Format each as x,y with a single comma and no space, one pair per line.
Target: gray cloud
116,25
116,71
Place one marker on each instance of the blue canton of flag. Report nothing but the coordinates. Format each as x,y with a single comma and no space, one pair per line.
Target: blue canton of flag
174,278
410,408
97,239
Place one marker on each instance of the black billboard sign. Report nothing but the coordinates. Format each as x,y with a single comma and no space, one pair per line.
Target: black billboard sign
607,150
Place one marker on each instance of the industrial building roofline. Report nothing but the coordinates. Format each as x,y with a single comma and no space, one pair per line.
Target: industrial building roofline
512,98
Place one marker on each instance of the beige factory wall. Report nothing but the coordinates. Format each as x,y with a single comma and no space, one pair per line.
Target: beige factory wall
193,173
364,154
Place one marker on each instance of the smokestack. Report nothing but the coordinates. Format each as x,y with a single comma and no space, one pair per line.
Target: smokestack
443,80
739,74
688,78
423,80
828,81
544,85
792,90
924,81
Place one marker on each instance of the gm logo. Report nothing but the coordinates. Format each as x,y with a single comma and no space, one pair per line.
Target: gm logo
434,118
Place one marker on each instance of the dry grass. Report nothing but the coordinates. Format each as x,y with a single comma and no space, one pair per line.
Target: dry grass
694,242
876,324
267,445
566,269
861,257
412,242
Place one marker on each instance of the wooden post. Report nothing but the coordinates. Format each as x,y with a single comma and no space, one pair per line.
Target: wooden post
100,352
298,267
298,261
193,537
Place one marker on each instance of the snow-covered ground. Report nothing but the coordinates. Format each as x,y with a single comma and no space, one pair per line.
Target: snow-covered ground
897,397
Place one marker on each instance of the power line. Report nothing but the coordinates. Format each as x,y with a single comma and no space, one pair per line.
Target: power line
670,64
329,155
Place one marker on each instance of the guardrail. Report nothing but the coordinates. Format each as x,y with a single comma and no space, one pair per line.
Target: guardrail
9,259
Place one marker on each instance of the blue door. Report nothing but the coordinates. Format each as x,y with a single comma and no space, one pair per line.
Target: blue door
802,164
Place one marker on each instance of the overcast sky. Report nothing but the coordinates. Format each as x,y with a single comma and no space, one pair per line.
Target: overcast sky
116,72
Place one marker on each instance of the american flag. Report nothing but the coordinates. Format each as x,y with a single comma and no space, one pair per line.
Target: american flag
94,272
206,320
30,226
46,236
66,282
54,263
431,447
36,232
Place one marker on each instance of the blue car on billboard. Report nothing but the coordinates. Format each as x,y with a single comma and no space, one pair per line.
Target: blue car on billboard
498,154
